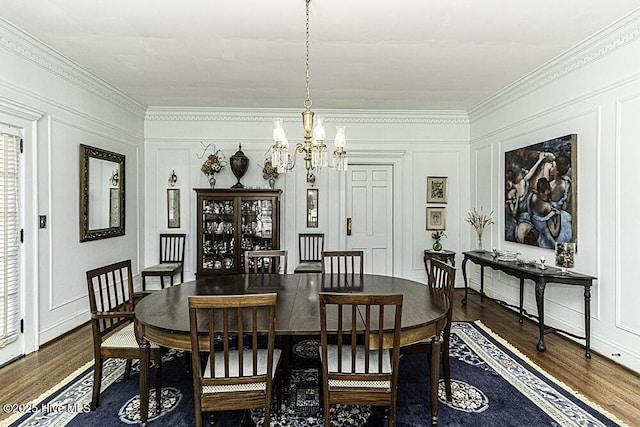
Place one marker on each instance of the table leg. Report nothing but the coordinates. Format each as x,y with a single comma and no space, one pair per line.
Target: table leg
466,285
521,298
587,319
426,264
144,381
540,303
482,283
435,378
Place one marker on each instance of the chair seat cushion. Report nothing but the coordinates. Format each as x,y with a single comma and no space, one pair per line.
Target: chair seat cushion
234,368
332,357
309,267
124,338
165,267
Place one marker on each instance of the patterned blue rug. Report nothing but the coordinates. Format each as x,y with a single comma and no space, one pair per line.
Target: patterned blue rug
492,385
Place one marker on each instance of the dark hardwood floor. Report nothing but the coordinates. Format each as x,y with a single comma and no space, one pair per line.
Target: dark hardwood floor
604,382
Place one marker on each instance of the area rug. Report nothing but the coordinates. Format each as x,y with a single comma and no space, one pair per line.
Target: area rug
493,384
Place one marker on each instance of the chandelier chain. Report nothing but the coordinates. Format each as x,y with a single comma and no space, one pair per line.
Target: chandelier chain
307,101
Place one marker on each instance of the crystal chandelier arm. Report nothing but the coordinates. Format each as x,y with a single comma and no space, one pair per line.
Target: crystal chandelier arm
299,148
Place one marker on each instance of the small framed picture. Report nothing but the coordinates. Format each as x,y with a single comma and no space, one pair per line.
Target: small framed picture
435,219
312,208
436,189
173,208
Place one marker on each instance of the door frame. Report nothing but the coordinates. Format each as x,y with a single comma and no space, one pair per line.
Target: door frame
24,120
394,158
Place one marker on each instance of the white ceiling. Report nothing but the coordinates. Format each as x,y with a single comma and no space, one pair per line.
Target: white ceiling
391,55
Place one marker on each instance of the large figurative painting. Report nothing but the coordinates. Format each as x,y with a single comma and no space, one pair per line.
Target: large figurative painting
540,193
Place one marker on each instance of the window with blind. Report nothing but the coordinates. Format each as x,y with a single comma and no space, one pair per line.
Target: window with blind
9,238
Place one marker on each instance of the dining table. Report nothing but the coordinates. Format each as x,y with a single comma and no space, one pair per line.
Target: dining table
163,316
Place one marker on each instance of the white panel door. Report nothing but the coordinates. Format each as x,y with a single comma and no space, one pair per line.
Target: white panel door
11,338
370,206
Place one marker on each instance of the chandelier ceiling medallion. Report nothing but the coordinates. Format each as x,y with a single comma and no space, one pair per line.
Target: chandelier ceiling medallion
313,147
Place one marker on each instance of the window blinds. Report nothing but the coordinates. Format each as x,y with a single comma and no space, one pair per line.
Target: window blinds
9,238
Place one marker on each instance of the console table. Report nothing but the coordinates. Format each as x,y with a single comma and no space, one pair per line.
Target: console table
540,277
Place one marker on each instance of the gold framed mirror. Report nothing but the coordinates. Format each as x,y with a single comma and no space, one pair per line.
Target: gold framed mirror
102,189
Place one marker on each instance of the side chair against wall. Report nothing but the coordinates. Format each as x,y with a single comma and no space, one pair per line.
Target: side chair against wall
362,367
239,378
266,261
171,260
112,301
442,278
310,248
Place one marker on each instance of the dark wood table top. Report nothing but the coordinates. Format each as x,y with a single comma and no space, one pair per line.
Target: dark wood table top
163,316
527,270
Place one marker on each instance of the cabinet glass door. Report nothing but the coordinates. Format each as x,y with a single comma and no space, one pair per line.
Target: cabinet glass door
218,246
256,225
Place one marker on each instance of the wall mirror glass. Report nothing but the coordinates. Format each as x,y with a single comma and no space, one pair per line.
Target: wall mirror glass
102,187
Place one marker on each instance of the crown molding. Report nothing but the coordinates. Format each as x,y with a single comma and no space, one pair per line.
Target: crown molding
22,44
622,32
194,114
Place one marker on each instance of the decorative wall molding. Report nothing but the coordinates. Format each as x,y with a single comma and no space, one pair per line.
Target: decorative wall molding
331,116
73,111
16,41
18,110
608,40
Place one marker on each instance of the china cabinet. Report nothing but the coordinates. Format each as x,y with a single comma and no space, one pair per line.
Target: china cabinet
231,221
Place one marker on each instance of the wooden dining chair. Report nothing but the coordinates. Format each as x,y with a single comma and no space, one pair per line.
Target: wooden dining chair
239,378
171,260
362,367
442,279
266,261
343,262
310,248
112,302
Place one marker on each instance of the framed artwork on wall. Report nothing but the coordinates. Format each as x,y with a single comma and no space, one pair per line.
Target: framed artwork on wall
541,193
436,189
312,208
173,208
435,219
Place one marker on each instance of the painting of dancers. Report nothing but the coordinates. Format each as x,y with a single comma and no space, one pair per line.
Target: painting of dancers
541,193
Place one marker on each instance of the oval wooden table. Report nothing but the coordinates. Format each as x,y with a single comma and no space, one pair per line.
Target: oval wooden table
163,316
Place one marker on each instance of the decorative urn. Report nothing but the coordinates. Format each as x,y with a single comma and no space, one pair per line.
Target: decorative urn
239,165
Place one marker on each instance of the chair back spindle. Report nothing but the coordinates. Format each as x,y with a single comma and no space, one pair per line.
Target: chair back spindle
362,366
233,378
266,261
343,262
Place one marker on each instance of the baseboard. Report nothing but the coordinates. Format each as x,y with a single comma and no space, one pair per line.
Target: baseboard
58,329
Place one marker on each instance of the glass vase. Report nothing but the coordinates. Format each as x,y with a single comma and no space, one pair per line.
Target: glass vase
479,247
212,181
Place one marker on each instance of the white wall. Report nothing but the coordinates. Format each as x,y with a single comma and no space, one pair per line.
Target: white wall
73,107
592,91
418,144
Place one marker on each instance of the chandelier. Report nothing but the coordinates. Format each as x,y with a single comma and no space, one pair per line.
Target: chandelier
313,147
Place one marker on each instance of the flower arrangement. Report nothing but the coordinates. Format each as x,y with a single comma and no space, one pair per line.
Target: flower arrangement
479,220
215,163
269,171
436,236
